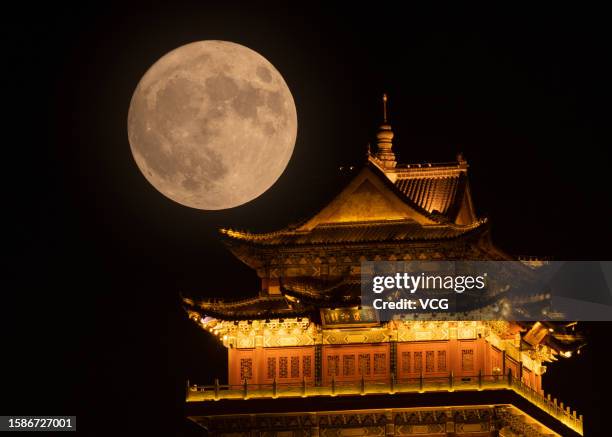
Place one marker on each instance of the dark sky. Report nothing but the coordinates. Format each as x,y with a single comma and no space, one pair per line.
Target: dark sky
100,255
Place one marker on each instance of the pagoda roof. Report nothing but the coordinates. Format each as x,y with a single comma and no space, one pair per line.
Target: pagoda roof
353,232
441,189
252,308
378,205
564,337
306,290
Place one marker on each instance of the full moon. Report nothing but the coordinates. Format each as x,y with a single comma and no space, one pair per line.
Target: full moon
212,125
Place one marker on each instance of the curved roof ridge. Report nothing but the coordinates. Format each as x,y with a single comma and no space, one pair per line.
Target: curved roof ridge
251,236
303,286
220,303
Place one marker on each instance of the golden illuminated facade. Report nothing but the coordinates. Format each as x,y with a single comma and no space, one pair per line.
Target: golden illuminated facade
306,334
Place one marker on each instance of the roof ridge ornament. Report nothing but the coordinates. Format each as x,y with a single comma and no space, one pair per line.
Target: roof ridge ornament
461,161
384,138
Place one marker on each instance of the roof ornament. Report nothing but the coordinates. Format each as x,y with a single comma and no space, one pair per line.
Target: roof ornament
461,159
384,139
385,107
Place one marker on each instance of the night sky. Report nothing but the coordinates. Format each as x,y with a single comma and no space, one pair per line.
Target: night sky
98,257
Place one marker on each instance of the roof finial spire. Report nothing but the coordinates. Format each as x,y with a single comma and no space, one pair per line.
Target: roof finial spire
384,139
384,107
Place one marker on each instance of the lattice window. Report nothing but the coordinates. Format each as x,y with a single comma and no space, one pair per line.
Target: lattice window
295,367
271,368
467,359
246,368
364,364
333,365
307,367
348,365
441,361
406,362
418,361
283,372
380,364
429,361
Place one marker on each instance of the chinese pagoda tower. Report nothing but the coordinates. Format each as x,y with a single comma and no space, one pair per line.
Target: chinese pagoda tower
314,362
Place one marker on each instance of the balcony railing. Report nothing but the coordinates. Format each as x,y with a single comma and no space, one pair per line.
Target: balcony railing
199,393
